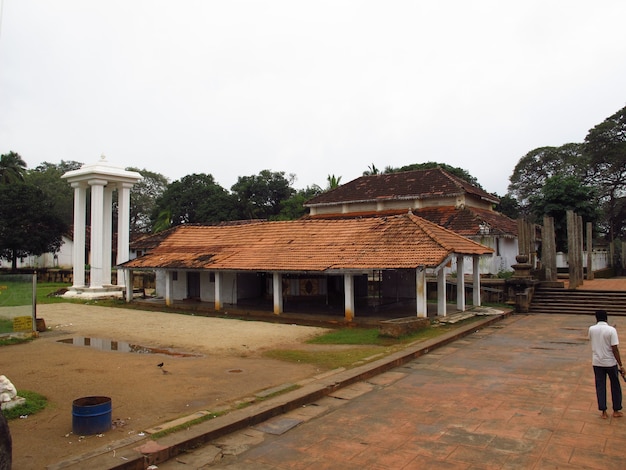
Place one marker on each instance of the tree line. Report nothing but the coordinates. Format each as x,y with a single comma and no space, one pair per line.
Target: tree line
36,205
588,178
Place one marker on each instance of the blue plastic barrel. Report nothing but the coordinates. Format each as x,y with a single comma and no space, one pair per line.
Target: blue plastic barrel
91,415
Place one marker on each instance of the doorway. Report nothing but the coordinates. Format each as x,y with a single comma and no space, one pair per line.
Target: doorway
193,285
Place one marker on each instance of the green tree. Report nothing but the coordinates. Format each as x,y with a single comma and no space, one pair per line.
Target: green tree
537,166
293,208
58,193
260,196
605,146
143,199
560,194
508,206
606,142
195,198
12,168
28,223
618,219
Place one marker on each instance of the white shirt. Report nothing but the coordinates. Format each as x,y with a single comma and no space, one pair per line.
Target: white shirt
602,337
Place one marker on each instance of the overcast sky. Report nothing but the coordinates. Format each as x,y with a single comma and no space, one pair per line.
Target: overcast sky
311,88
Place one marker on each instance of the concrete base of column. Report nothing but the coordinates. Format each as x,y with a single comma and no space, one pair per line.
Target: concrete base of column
105,292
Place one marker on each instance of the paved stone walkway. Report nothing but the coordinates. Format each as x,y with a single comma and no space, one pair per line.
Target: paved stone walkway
516,395
614,283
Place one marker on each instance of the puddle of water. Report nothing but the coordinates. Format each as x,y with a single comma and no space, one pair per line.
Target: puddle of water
104,344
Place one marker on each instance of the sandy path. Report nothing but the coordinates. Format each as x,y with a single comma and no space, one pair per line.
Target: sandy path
228,367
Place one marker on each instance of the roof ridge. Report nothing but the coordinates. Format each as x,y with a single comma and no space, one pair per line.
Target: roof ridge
458,182
428,227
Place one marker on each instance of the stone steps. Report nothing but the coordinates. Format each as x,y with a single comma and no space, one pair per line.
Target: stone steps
566,301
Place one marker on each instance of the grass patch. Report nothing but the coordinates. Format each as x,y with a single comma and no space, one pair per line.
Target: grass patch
34,403
15,292
373,346
6,325
14,340
188,424
278,392
326,360
371,336
46,290
246,403
349,336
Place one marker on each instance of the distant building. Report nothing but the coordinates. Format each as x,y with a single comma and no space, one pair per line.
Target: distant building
62,259
433,194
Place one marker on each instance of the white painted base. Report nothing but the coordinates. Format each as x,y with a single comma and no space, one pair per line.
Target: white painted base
7,405
105,292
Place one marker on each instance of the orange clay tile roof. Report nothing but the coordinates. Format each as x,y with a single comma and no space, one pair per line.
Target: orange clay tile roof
466,221
416,184
148,242
401,241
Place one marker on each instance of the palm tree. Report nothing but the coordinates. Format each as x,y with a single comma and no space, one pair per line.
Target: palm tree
371,170
163,222
12,168
333,181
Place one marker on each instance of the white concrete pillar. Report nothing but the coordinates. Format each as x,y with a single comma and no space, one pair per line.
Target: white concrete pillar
218,291
102,178
277,288
80,215
97,231
441,292
128,277
123,227
107,234
460,283
168,288
348,286
476,281
421,299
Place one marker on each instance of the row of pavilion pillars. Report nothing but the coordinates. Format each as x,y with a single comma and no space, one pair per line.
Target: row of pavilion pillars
420,290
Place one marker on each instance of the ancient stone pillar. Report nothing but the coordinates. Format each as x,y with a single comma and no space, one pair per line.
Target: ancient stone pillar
589,252
574,249
548,249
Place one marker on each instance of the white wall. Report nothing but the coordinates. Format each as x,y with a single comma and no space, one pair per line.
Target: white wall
47,260
599,260
501,260
179,286
207,288
228,288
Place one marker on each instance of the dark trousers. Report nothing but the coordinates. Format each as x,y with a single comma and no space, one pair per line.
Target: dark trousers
616,390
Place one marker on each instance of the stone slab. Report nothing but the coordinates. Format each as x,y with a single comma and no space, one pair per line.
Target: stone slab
278,426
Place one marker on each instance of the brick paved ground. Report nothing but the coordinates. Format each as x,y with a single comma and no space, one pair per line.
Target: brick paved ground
615,283
517,395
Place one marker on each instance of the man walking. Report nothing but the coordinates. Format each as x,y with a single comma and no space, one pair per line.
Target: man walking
606,361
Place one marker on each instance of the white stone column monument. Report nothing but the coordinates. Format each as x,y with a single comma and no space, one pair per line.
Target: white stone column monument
101,179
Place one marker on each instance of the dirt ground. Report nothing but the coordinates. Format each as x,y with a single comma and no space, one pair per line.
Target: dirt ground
225,366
